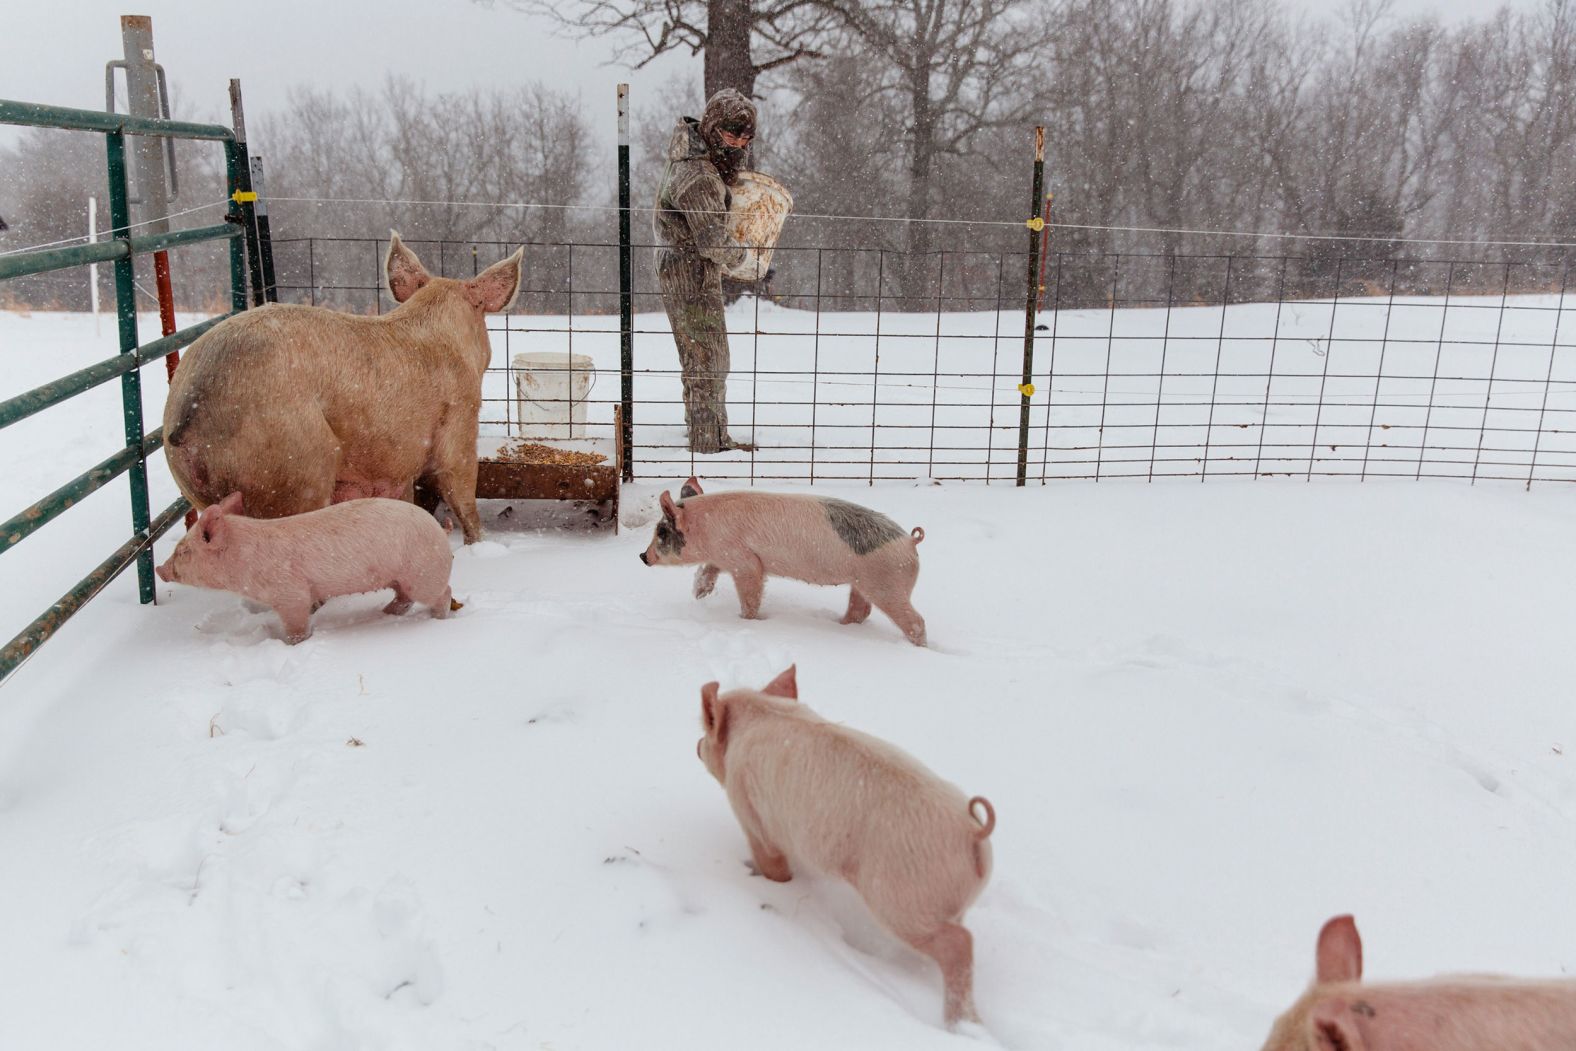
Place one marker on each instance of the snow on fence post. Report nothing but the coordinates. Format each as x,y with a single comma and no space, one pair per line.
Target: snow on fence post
1036,223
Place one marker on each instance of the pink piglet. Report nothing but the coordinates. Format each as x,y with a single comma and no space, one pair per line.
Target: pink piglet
296,563
814,796
1340,1013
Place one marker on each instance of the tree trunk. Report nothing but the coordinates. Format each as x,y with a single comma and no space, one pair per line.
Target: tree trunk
921,159
728,62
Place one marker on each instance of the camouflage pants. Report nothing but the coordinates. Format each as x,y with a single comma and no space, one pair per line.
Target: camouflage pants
692,294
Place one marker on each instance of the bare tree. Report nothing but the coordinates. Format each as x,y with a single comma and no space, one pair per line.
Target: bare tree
959,67
725,32
478,167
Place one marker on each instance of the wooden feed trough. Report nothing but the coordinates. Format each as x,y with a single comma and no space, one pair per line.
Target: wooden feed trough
586,469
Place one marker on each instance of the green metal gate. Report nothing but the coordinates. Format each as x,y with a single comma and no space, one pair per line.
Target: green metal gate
119,249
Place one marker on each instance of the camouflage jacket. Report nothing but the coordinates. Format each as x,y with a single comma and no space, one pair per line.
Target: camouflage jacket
692,201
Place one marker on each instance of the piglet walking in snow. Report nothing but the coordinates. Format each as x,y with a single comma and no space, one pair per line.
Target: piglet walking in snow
812,795
816,539
295,564
1339,1013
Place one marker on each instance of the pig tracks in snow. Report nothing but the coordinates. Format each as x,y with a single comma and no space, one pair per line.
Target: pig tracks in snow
239,897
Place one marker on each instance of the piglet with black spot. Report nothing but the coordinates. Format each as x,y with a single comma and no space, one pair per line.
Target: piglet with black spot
817,539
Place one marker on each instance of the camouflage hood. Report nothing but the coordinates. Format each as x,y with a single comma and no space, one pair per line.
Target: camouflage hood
727,107
731,110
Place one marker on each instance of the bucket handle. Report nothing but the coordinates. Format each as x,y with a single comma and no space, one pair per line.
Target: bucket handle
591,386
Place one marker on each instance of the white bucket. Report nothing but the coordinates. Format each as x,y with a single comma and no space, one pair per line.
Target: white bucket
550,394
760,207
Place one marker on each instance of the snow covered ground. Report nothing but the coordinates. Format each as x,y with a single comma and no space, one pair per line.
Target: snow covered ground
1208,716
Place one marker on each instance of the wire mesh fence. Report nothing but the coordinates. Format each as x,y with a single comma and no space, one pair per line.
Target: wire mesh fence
1146,365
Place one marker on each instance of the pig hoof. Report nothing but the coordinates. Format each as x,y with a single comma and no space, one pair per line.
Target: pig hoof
291,640
777,871
705,579
455,605
398,607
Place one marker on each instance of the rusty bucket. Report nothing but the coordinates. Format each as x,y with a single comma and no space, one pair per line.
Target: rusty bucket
760,206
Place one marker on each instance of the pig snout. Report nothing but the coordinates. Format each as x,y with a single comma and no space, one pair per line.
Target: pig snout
163,570
644,560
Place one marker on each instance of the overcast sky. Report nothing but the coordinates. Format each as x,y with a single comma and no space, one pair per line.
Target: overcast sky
55,51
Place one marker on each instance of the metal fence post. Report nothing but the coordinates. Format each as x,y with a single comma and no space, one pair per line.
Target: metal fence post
1493,365
1026,387
1214,383
265,235
234,164
1548,377
131,382
626,297
246,196
152,158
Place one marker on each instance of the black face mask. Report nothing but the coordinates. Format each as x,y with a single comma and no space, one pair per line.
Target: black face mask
729,160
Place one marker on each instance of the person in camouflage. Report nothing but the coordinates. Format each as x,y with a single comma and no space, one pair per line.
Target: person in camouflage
704,158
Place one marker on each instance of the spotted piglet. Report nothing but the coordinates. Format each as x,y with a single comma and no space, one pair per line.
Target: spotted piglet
817,797
817,539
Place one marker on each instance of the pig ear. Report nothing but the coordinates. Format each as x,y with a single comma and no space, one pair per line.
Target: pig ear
1340,952
494,289
691,488
1331,1026
668,510
405,273
207,515
785,685
211,523
713,714
230,505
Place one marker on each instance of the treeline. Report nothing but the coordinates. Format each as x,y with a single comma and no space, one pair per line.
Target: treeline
1161,115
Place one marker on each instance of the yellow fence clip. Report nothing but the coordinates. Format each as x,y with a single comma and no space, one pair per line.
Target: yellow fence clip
243,196
1036,224
1026,389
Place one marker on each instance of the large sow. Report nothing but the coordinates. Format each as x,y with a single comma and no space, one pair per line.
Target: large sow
297,407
